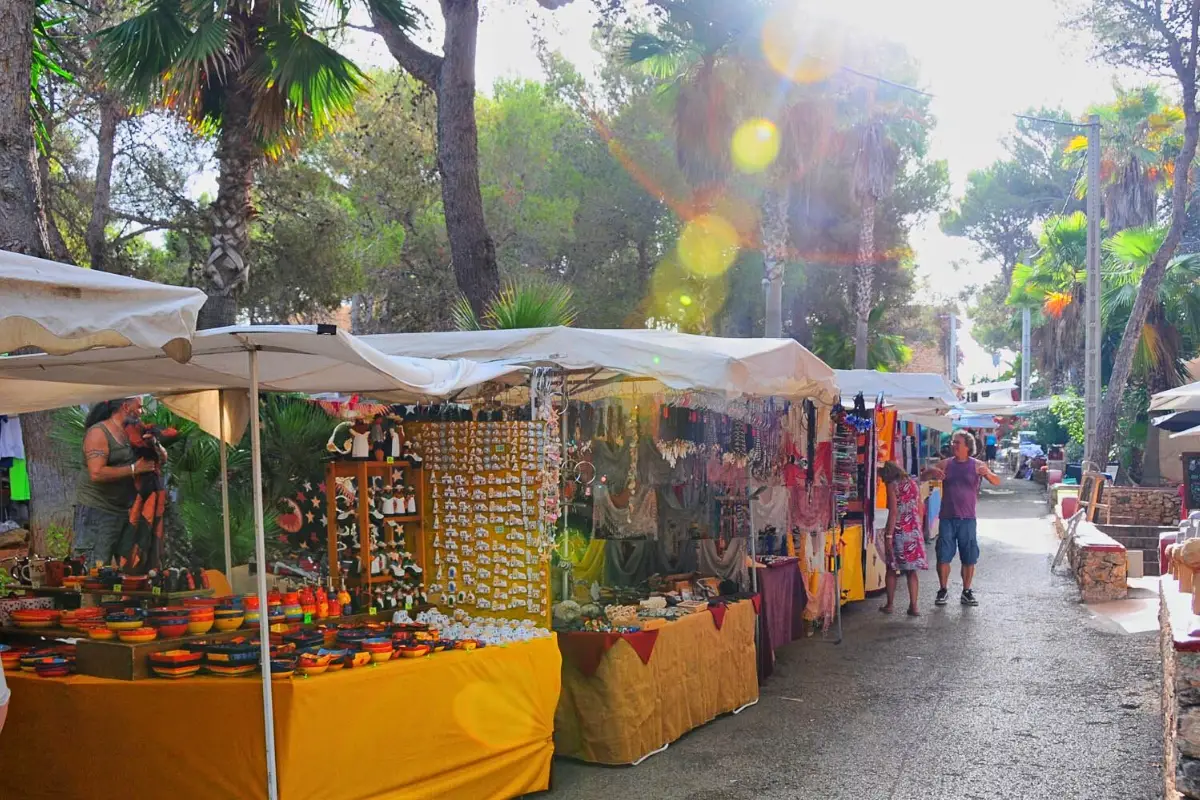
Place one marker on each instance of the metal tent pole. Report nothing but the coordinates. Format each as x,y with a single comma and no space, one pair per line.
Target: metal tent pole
225,486
260,554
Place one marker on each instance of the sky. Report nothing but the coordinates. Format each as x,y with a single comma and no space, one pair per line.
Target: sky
982,62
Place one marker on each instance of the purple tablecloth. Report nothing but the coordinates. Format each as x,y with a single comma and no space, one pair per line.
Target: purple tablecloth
782,591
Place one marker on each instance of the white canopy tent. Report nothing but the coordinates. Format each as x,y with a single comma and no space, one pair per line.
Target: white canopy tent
62,309
1182,398
921,397
666,359
296,358
280,358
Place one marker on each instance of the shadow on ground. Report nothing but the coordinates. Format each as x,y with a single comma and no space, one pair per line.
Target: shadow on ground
1018,698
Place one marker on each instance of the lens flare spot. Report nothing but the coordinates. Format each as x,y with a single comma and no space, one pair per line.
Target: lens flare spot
685,300
795,49
755,145
708,245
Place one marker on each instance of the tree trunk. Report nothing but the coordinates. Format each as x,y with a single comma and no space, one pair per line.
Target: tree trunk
471,248
97,242
775,238
226,272
52,479
22,220
58,246
1106,425
864,277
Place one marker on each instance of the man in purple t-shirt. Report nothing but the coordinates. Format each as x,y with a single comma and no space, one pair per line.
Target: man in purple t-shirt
960,477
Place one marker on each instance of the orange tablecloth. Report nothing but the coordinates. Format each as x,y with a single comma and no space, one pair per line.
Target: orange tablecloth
453,725
629,709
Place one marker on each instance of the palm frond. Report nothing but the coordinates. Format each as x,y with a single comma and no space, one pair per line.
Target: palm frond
300,83
532,303
659,57
138,52
401,14
464,316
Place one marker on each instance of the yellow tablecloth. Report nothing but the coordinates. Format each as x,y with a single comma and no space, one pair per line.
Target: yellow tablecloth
453,725
629,709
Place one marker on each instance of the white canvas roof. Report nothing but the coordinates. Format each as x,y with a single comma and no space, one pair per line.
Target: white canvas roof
678,361
911,393
64,309
1182,398
291,359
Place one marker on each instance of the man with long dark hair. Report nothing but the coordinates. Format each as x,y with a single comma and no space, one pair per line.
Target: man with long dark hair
106,488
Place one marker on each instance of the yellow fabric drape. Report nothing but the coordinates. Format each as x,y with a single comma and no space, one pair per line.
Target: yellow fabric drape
467,725
589,568
629,709
853,586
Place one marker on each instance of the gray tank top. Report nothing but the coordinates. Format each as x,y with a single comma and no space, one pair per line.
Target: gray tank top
114,496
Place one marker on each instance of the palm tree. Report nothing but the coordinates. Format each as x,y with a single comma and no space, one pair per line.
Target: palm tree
1171,334
876,159
251,73
886,352
1142,134
1052,284
532,303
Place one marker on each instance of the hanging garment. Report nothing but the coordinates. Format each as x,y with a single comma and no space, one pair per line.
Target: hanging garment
612,462
12,445
676,562
770,509
607,516
643,512
18,480
628,562
731,565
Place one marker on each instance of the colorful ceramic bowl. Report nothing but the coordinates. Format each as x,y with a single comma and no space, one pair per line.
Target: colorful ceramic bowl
415,651
230,670
31,657
101,634
52,667
360,659
138,636
229,623
123,624
199,627
172,631
175,672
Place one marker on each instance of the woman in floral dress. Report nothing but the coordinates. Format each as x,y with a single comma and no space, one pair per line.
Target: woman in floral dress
903,542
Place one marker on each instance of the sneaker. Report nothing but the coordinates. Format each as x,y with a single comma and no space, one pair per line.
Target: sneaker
968,598
941,597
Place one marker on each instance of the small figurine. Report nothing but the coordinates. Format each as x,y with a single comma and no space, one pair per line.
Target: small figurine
378,439
395,440
360,433
412,501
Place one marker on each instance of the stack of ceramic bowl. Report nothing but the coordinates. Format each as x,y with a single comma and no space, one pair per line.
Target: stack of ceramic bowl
170,622
138,635
379,647
351,638
229,618
275,613
10,657
175,663
339,658
52,667
305,640
123,621
312,664
413,650
35,617
282,668
200,620
30,658
73,619
229,659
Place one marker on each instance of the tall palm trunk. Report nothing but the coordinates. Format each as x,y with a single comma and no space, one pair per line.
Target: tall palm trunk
864,278
226,272
22,220
775,237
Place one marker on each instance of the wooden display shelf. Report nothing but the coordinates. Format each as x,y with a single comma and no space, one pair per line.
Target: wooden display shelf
403,517
350,468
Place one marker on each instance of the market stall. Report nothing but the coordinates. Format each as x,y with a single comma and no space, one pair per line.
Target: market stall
686,458
292,359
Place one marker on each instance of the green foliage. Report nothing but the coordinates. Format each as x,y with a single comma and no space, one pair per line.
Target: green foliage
209,60
885,352
1069,410
48,28
532,303
1048,428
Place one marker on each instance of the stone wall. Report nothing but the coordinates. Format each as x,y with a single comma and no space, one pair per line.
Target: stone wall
1100,565
1130,505
1181,693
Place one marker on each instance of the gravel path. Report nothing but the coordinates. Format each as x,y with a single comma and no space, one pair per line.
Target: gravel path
1023,697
